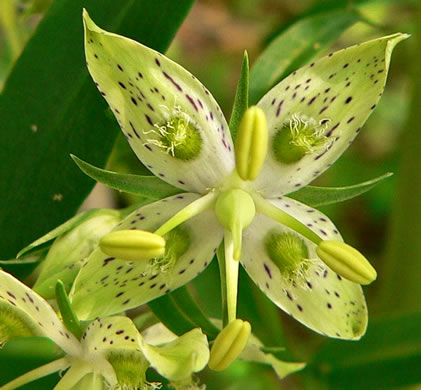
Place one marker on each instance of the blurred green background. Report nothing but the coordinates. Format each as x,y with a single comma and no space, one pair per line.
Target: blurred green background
384,223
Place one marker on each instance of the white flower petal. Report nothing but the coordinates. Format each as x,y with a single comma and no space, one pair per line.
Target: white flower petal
33,312
342,89
111,333
107,285
323,301
144,89
180,358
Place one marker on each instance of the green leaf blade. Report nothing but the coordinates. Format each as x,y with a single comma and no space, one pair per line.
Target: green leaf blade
241,97
387,357
148,186
50,109
295,47
322,196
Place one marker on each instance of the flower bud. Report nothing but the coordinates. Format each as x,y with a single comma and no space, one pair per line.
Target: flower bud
65,257
133,245
228,345
252,143
346,261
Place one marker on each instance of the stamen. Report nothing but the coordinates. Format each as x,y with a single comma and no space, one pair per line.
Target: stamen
177,243
133,245
266,208
198,206
346,261
252,141
228,345
231,275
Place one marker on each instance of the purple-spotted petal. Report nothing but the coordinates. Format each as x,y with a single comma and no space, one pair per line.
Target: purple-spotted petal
145,90
338,92
111,333
107,285
322,300
22,309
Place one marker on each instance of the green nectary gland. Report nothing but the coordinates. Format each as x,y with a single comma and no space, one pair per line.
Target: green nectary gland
289,253
130,368
178,242
14,323
297,137
180,138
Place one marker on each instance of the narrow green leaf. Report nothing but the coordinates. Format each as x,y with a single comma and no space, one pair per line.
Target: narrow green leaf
22,268
321,196
192,310
388,356
69,317
51,108
170,315
400,288
24,354
59,230
296,46
241,99
148,186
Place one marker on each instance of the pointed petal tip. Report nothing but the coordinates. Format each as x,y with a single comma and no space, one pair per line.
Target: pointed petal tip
89,24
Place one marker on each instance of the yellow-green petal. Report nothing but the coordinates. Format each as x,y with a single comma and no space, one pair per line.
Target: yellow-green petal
334,96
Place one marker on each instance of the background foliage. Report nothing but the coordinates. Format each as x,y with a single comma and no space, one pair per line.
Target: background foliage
49,108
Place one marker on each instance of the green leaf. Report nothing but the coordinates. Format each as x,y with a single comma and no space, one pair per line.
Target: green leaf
22,268
148,186
185,302
170,315
63,228
321,196
69,317
49,109
400,290
24,354
295,47
389,355
241,97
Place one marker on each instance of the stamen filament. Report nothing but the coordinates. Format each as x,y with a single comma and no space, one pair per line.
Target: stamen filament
231,273
198,206
37,373
278,215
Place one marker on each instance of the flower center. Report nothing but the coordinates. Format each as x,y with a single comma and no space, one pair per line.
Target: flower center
289,253
14,323
178,241
299,136
178,137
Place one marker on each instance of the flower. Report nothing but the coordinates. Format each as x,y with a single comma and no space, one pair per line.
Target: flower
111,350
178,131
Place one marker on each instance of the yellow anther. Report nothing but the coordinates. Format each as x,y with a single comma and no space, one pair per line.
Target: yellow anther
252,143
228,345
133,245
346,261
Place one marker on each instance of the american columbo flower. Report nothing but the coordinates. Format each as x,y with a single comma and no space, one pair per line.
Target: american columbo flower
296,131
110,353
